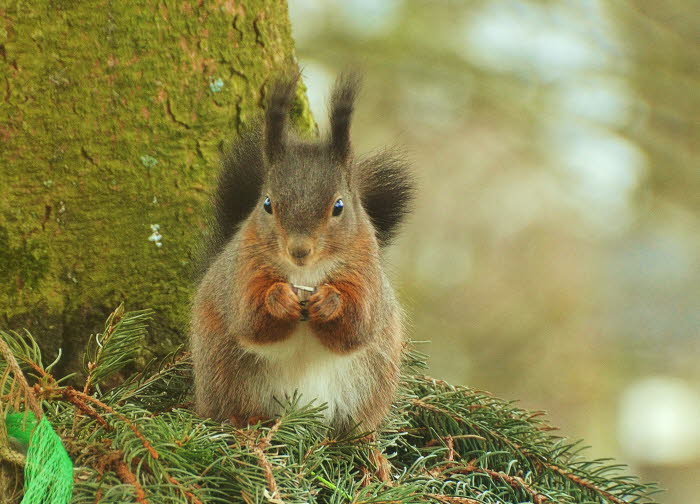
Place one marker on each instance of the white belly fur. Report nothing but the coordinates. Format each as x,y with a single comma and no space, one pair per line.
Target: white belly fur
302,364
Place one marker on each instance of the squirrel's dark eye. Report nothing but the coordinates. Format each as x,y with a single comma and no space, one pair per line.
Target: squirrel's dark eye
267,205
338,208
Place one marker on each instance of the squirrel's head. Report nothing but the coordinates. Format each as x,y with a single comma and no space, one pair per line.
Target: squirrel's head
309,207
305,202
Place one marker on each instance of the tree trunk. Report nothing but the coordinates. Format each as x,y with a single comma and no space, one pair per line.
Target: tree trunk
111,118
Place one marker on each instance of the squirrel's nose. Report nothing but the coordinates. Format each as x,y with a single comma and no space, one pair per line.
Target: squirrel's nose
299,247
299,251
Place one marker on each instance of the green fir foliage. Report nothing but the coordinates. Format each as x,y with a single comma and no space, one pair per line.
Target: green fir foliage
118,345
140,442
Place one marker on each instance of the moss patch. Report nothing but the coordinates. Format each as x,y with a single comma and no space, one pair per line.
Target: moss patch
114,114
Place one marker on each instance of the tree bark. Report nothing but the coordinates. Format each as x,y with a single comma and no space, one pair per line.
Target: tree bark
111,118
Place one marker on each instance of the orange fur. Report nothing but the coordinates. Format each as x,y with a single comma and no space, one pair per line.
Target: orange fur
337,312
274,306
210,318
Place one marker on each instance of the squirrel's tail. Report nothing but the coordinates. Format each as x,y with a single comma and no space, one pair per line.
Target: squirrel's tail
388,189
236,193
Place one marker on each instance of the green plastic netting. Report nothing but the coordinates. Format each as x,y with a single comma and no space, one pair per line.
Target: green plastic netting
48,474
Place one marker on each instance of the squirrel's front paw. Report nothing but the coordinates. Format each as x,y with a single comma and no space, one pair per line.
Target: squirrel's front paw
325,305
282,303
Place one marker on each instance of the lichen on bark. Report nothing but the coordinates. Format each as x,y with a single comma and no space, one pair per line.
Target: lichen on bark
112,115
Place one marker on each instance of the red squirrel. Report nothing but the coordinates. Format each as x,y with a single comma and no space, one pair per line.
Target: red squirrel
295,297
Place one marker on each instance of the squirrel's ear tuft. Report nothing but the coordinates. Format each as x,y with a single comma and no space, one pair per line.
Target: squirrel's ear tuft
387,191
341,107
281,95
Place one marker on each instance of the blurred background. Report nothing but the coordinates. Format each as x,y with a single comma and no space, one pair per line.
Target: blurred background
554,255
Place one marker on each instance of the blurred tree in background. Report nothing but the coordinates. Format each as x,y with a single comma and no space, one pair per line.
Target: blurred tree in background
555,253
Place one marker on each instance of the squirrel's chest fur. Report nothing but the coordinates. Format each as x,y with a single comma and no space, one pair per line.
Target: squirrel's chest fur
303,365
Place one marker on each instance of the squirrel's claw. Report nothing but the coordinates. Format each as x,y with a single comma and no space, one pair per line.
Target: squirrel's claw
282,302
325,305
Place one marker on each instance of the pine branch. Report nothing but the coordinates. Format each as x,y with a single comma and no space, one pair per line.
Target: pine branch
119,343
140,442
13,382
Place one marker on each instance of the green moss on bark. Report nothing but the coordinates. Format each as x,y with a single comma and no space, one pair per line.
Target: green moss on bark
111,119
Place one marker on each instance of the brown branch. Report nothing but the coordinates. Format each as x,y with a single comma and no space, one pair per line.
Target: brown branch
450,448
434,442
513,481
190,496
259,450
584,483
449,443
267,439
366,477
36,367
12,456
71,395
431,407
446,499
128,477
267,471
114,460
109,409
12,363
381,463
435,381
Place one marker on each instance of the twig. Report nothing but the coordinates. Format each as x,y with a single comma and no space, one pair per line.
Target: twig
513,481
259,451
109,409
12,456
114,460
267,439
267,471
450,448
71,395
436,409
453,500
383,468
127,476
190,496
77,398
584,483
115,317
30,400
433,442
